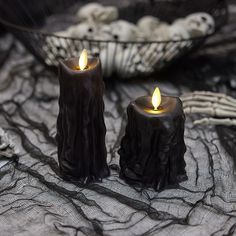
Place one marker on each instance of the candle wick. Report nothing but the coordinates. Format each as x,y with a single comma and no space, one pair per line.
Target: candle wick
78,68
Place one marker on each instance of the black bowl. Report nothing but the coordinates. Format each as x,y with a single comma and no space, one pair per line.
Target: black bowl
33,23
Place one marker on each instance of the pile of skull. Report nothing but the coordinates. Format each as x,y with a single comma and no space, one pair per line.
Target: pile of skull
103,33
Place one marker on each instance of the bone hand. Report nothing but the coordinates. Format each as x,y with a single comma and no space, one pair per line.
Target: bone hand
207,105
214,121
210,111
210,97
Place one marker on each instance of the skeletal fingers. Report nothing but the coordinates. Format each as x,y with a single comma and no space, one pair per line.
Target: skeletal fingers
215,121
216,105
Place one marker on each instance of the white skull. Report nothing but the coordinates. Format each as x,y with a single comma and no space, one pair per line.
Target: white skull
161,33
199,24
178,32
124,31
84,30
148,23
180,21
98,13
103,32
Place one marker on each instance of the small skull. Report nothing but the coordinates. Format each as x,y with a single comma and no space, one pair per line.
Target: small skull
98,13
84,30
199,24
181,22
103,32
161,33
148,23
178,32
123,31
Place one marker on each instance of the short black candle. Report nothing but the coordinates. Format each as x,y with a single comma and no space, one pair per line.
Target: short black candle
152,150
80,126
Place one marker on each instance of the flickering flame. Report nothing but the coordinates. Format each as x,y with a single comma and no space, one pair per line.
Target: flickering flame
83,59
156,98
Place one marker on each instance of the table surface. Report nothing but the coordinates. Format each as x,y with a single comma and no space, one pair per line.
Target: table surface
35,201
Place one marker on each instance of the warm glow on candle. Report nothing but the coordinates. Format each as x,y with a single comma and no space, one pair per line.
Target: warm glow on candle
83,59
156,98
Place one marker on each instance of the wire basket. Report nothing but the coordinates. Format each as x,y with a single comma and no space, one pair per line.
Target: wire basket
119,59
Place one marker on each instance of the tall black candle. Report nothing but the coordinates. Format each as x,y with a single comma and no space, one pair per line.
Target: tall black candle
80,126
152,150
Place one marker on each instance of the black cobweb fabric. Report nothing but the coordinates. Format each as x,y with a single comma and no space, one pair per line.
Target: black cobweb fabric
35,201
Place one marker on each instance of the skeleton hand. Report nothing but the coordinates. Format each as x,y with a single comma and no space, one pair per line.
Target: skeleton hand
220,107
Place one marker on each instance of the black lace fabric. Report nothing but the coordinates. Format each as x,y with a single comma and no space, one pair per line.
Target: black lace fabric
35,201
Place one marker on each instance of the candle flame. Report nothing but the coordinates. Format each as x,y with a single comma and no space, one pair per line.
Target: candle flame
83,59
156,98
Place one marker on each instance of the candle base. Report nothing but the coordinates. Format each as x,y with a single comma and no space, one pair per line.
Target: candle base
152,150
99,175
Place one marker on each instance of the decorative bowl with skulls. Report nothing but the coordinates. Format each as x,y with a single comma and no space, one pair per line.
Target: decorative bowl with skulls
132,39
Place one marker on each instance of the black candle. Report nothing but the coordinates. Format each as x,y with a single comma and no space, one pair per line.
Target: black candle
80,126
152,150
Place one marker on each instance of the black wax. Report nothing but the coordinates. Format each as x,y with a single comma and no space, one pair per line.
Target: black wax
80,125
152,150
